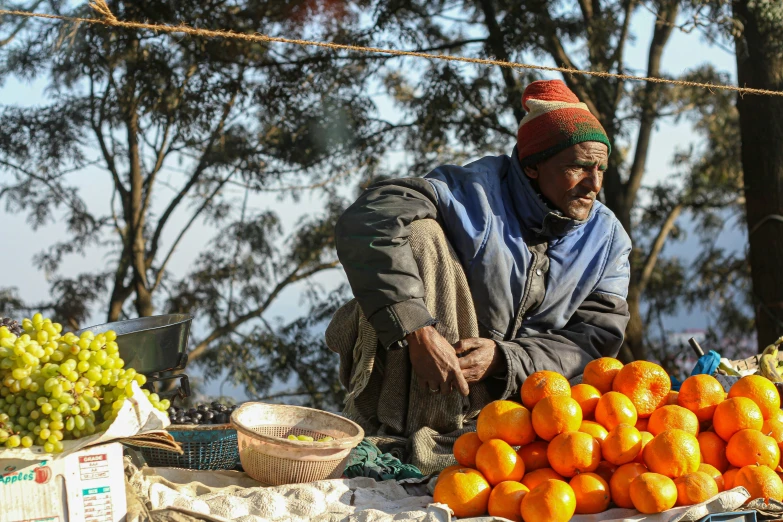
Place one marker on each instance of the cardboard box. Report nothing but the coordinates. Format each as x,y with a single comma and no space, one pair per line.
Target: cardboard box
85,486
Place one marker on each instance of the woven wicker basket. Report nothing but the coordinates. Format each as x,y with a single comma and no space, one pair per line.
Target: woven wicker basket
269,457
205,447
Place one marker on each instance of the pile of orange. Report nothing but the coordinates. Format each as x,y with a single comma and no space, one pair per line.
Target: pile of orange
622,438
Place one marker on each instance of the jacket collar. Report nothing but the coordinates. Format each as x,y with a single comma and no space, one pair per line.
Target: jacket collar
533,210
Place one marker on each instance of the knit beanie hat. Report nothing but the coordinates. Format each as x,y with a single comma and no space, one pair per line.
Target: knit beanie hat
555,120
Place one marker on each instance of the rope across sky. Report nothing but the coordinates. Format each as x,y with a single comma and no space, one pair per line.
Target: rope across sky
108,18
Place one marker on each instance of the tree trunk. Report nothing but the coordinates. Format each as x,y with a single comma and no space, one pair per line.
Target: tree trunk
633,348
120,292
760,65
143,299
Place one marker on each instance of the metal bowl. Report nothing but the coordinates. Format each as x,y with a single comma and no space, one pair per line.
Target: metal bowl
151,344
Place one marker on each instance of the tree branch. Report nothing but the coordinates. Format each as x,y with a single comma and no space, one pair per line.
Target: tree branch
58,192
664,25
117,228
196,214
160,156
587,11
498,48
620,51
194,178
164,150
293,277
657,246
21,24
98,130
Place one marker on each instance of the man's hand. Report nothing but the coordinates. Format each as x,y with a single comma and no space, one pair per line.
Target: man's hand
479,358
435,362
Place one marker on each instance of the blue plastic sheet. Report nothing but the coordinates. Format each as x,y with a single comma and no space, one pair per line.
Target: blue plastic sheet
707,364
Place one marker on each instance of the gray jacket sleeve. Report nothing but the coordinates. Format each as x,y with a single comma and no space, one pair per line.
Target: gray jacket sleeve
596,329
372,245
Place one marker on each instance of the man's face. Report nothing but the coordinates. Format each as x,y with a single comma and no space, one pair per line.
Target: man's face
572,178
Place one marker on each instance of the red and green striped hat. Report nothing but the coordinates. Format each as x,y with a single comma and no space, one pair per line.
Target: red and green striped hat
555,120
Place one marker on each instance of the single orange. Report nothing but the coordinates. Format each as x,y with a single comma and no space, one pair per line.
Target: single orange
778,415
465,448
748,447
534,455
574,452
713,450
622,445
713,472
760,481
673,417
672,397
600,373
672,453
506,500
646,438
620,483
646,384
653,493
550,501
465,491
694,488
591,492
498,461
701,394
587,396
728,478
555,415
605,470
641,424
594,429
774,428
544,384
534,478
761,391
613,409
737,413
507,421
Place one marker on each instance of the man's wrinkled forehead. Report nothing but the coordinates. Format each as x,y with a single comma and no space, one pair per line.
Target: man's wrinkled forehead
588,154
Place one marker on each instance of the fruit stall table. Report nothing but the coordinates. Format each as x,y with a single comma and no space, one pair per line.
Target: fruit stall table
185,496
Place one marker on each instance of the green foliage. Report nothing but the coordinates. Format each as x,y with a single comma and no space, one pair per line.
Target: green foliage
171,123
709,185
145,110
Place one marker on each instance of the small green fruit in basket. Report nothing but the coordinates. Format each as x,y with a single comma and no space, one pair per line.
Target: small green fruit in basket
292,437
325,439
305,438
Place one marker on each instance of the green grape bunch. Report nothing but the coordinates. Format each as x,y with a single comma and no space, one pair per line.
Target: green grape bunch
56,387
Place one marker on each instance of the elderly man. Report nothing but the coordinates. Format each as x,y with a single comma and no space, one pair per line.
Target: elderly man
546,263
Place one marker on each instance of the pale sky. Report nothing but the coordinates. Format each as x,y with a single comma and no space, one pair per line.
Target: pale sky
685,51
